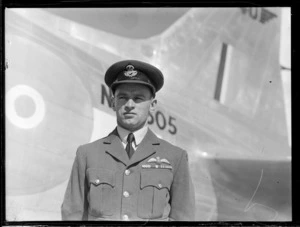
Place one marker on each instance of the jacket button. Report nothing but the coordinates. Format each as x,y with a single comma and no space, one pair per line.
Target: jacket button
126,194
127,172
159,185
97,181
125,217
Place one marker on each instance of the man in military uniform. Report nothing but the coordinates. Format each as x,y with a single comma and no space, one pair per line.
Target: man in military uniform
131,174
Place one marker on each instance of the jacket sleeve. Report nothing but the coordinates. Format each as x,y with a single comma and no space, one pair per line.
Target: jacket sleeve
182,193
74,206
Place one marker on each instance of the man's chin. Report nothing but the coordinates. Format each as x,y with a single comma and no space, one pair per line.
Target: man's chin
131,126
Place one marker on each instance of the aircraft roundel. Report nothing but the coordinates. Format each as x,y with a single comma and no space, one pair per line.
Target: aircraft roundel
25,106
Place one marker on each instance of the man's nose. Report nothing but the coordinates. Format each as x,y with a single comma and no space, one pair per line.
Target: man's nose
129,104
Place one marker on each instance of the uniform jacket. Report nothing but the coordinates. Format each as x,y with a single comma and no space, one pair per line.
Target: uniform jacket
155,184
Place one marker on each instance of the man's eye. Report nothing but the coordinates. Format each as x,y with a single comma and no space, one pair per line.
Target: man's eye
138,98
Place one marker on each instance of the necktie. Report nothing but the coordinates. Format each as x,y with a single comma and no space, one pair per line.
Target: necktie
129,148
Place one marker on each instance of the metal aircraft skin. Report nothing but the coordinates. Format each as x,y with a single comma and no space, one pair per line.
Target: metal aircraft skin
223,101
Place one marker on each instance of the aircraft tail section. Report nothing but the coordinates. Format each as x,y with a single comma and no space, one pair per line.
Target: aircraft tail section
229,59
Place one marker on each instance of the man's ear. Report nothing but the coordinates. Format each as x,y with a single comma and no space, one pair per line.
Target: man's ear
153,105
112,101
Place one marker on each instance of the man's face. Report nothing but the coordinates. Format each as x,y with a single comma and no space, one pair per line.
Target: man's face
133,103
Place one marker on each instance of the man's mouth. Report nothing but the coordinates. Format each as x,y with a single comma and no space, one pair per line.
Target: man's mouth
129,114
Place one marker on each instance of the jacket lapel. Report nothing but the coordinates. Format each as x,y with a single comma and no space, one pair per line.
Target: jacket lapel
146,148
115,148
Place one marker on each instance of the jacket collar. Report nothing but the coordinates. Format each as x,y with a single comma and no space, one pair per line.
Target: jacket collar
115,148
138,135
146,148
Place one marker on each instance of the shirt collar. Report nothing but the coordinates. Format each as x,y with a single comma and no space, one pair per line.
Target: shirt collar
138,135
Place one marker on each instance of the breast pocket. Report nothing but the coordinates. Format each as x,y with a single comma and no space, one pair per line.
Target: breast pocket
154,195
101,192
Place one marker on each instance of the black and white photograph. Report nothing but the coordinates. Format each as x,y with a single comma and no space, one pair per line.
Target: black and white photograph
148,114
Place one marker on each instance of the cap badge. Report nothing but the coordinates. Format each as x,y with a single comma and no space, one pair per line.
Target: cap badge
130,72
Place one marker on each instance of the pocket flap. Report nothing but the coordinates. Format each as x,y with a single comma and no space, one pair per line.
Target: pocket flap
101,176
159,178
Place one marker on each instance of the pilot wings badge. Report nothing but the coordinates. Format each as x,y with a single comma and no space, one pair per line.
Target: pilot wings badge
158,160
158,163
